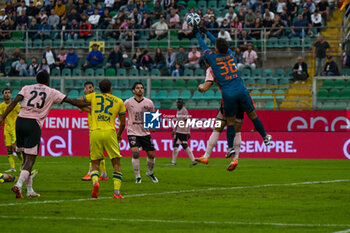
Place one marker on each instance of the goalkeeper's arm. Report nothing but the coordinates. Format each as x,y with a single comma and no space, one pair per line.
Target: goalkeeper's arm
201,42
211,37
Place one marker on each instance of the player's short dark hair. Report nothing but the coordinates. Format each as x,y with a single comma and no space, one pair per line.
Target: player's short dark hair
88,83
6,89
137,83
43,77
105,86
179,100
222,45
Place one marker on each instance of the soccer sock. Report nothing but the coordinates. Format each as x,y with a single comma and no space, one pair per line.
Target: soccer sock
231,133
175,152
259,127
20,157
22,178
117,181
213,139
94,176
150,165
103,167
136,166
29,183
237,145
11,158
89,168
190,154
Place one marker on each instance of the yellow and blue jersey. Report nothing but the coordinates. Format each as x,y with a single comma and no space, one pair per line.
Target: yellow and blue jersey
10,121
104,109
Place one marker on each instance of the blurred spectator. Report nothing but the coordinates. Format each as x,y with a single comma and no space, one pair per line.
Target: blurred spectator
193,58
320,53
50,6
181,58
15,57
128,8
94,59
31,10
280,5
174,21
306,14
316,20
225,25
115,59
331,68
81,7
231,15
85,30
74,16
136,16
300,71
212,25
268,12
89,10
21,8
159,59
284,18
241,15
71,59
136,59
292,9
172,5
158,10
244,40
109,4
255,32
186,31
94,19
170,60
161,29
270,5
115,33
143,7
258,7
54,19
146,62
346,48
225,35
3,60
42,14
249,58
64,30
60,8
323,8
127,43
105,19
21,67
133,26
245,5
310,6
277,27
33,67
230,3
298,27
249,19
267,23
23,21
74,30
236,27
44,30
33,28
69,6
43,66
146,21
50,57
5,32
176,71
239,58
100,8
61,59
9,8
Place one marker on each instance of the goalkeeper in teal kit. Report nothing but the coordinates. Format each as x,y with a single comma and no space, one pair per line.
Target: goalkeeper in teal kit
234,92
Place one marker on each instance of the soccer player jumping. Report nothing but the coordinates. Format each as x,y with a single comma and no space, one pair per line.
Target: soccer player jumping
233,89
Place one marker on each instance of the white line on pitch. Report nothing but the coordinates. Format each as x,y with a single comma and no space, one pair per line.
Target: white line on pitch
344,231
173,221
178,191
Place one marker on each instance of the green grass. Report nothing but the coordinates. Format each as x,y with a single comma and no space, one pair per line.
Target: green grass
204,198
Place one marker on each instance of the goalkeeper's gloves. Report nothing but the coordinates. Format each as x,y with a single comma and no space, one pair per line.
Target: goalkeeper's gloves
195,29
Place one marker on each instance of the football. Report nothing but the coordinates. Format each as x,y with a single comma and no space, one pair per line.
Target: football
193,19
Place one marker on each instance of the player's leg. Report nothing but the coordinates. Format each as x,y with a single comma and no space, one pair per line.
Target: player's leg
259,127
87,177
230,101
94,177
19,154
103,170
184,144
136,162
97,139
117,178
11,159
236,145
147,145
175,150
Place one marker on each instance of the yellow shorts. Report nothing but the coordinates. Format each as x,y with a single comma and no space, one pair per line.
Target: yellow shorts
104,141
9,138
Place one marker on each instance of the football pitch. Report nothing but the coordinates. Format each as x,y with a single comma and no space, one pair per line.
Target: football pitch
261,195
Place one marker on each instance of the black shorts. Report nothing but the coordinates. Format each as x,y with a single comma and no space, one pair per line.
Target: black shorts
181,138
28,135
141,141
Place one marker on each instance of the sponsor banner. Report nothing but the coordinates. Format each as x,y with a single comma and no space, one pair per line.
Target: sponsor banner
290,121
299,145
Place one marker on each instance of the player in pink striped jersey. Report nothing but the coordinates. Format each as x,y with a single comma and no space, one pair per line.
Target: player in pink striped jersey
36,103
181,133
139,136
